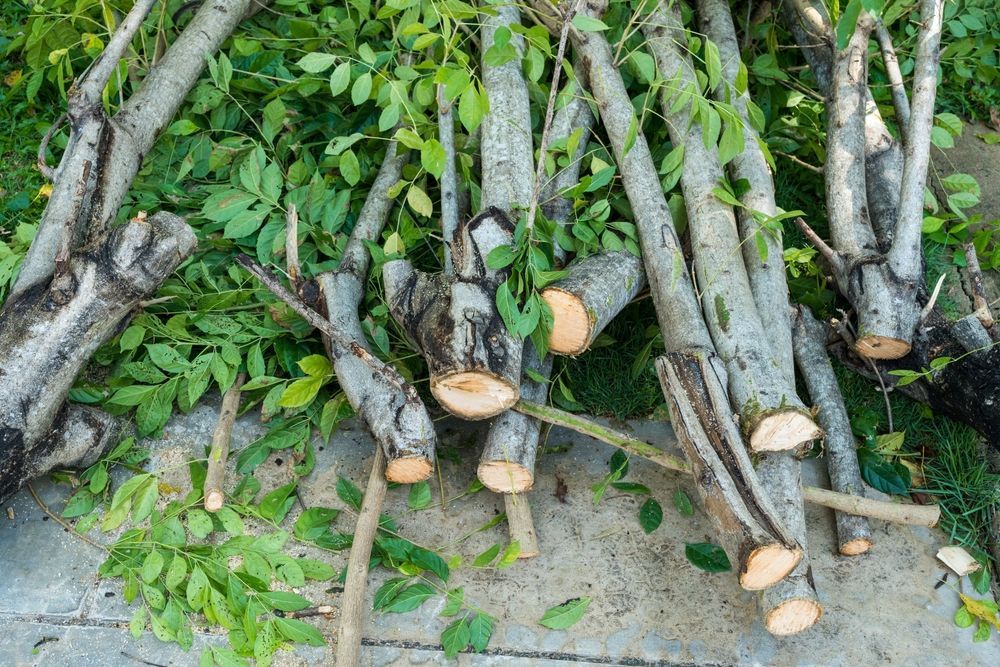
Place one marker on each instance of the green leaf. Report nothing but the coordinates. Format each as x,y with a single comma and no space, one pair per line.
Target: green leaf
316,570
480,631
388,591
350,169
486,557
349,493
455,638
283,600
275,505
152,566
432,157
313,522
299,632
316,62
510,555
420,496
500,257
230,520
882,474
340,79
197,589
199,523
182,128
410,598
419,201
131,338
683,503
316,365
708,557
846,24
138,622
963,618
650,515
726,196
454,601
428,560
301,392
941,138
713,63
507,306
632,487
586,23
472,107
566,614
361,89
176,572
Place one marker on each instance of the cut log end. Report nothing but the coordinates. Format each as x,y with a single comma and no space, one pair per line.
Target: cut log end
793,617
571,326
214,500
882,347
408,470
768,565
783,429
505,476
474,394
856,547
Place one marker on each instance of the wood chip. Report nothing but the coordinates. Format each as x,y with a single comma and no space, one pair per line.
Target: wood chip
958,560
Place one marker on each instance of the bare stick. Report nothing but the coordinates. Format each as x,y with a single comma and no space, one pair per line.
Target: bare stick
352,612
549,110
47,171
308,612
854,535
904,513
292,245
980,304
215,493
449,179
521,525
900,101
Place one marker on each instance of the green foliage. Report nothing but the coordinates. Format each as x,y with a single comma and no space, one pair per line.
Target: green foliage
566,614
707,557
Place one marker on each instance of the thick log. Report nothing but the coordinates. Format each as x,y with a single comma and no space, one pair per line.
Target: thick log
853,533
474,362
49,333
771,414
214,489
104,154
761,547
882,510
790,606
585,301
397,419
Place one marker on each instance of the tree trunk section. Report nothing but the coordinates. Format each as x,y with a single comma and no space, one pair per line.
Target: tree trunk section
584,302
49,334
397,419
771,414
215,476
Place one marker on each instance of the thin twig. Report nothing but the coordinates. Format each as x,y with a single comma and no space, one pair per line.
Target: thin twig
320,610
817,242
324,325
980,304
802,163
43,166
549,111
292,245
925,313
62,522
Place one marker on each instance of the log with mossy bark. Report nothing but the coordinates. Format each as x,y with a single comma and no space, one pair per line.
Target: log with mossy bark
771,414
473,360
730,484
791,606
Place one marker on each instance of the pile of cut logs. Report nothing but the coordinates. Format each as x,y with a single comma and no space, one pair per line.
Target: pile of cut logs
732,340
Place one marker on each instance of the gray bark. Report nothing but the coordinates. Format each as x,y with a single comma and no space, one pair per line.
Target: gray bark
853,533
398,421
585,301
49,333
771,414
104,154
474,362
790,606
759,545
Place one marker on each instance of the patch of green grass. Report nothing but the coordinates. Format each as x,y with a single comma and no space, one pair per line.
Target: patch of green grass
608,380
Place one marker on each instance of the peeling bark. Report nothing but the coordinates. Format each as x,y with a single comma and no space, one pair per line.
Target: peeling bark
397,419
49,333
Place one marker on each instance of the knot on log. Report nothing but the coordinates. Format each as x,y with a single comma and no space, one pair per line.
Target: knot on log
139,254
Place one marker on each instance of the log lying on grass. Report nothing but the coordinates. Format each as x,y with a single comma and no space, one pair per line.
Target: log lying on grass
771,414
584,302
473,360
792,605
853,533
684,332
49,334
398,421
